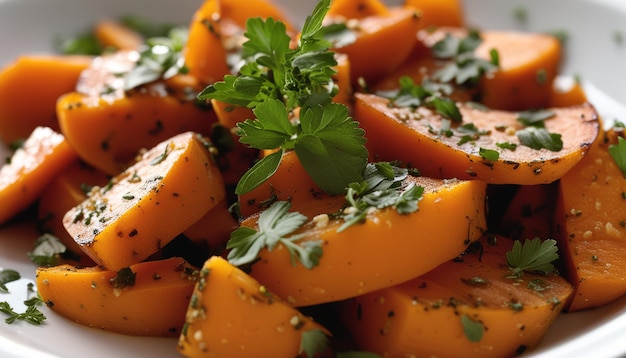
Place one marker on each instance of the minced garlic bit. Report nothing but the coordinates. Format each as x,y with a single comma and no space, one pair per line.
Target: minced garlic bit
321,220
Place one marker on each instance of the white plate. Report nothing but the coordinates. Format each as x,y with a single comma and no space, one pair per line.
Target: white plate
28,26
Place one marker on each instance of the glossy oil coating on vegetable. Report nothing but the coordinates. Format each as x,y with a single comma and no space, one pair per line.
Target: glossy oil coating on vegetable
471,307
386,249
453,150
345,171
146,299
43,156
232,315
172,186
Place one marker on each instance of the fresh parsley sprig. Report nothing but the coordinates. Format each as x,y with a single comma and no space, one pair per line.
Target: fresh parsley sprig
299,77
464,67
162,58
276,225
32,314
532,256
328,142
274,81
383,186
534,135
429,94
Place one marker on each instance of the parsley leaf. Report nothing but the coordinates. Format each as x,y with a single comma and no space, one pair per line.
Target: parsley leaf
329,144
32,314
47,250
275,224
539,138
532,256
534,118
428,94
383,186
618,152
331,147
274,81
473,330
507,145
313,343
162,58
489,154
465,68
7,276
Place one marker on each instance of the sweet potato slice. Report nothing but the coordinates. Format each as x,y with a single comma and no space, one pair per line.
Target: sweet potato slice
146,299
357,9
232,315
590,219
529,63
416,137
428,316
450,216
107,125
113,34
436,13
44,155
68,189
172,186
20,80
381,43
205,55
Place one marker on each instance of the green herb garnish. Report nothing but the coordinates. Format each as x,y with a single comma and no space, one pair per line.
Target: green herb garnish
618,152
7,276
532,256
161,59
473,330
383,186
274,81
489,154
428,94
313,343
48,249
539,138
464,68
275,225
534,118
32,314
328,142
125,278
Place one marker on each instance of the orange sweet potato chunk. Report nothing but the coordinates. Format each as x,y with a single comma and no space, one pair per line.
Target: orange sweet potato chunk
232,315
425,316
22,84
107,125
147,299
68,189
435,13
113,34
357,9
417,139
205,56
590,227
381,43
171,187
44,155
529,63
387,249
